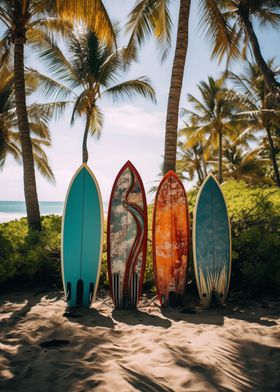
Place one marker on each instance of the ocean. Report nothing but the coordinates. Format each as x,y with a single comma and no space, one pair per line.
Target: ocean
10,210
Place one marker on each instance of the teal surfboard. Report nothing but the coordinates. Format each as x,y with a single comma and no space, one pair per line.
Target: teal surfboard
82,238
211,243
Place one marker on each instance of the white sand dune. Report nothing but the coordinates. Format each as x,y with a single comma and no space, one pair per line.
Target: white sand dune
42,348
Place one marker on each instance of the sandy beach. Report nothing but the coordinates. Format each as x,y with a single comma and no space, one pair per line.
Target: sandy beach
45,348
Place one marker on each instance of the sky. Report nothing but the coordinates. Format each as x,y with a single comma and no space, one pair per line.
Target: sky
133,130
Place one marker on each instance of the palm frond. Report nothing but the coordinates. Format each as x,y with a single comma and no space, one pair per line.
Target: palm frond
44,168
222,38
51,88
93,13
130,88
96,122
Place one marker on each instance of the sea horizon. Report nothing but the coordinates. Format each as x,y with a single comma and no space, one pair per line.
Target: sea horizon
16,209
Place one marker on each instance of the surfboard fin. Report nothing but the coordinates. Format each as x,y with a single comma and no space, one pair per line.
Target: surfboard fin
80,292
68,291
134,290
172,299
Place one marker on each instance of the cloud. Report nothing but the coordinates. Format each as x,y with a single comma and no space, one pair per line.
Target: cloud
135,120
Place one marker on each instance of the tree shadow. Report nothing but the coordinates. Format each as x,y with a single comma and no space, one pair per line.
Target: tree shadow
253,314
195,315
136,317
89,318
142,382
43,349
244,366
19,314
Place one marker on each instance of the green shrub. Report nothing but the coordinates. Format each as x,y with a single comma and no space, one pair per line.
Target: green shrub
255,220
26,257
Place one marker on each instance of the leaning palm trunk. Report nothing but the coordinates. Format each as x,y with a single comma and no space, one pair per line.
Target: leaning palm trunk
269,79
220,154
176,87
30,190
85,150
273,157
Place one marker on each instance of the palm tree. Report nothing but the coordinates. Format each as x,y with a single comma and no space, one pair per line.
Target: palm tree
88,73
9,135
29,21
242,162
213,116
190,161
153,18
262,113
197,142
229,26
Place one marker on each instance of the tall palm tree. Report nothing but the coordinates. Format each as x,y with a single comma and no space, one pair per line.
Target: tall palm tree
89,72
28,21
229,25
214,115
9,135
152,17
262,113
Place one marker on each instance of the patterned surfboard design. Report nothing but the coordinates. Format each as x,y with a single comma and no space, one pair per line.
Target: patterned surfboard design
127,237
171,239
82,238
211,243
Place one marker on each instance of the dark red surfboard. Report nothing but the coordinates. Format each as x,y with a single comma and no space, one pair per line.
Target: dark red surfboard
127,237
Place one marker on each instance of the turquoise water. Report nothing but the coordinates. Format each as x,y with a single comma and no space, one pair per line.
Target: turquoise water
10,210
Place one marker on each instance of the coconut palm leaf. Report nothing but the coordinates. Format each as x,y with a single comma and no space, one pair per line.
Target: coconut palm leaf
130,88
43,167
149,18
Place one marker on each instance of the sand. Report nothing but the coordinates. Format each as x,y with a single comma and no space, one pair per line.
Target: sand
45,348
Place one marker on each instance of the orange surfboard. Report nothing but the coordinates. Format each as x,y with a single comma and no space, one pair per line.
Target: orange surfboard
171,239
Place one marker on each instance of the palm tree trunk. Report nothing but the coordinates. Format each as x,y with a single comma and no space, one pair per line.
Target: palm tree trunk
220,155
176,87
29,180
200,175
204,165
269,78
85,150
273,156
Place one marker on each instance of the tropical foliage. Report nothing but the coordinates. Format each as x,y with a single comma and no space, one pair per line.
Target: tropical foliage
89,73
213,117
39,115
231,131
230,28
152,18
31,22
26,258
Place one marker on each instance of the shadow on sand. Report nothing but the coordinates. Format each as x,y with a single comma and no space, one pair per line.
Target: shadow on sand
135,317
195,315
246,365
30,300
89,318
142,382
256,314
